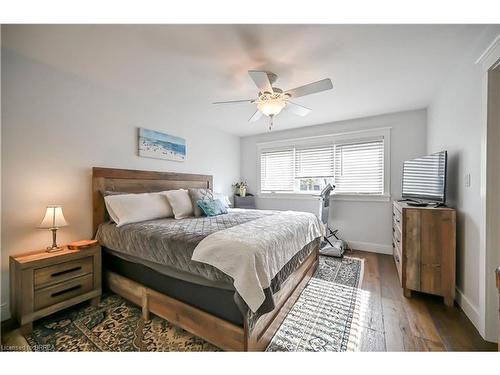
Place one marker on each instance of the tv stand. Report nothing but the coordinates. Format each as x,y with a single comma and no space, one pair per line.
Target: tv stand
421,203
423,241
417,204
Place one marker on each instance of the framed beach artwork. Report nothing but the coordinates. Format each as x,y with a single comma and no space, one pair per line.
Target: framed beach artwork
153,144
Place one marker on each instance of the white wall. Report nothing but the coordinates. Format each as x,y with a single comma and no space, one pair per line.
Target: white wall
56,126
366,225
456,122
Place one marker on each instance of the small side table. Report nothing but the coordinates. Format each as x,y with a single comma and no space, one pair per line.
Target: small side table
43,283
247,201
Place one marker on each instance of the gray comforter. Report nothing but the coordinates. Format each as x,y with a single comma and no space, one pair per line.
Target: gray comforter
171,243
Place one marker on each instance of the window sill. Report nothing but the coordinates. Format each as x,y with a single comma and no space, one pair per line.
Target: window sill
288,196
361,198
337,197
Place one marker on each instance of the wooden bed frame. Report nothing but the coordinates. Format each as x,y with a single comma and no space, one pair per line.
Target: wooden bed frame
221,333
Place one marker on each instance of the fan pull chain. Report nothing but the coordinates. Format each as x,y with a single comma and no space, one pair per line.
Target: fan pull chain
271,122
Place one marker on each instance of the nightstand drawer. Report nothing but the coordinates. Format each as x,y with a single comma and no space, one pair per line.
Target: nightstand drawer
62,271
63,291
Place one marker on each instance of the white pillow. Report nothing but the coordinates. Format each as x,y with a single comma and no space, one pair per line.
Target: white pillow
223,198
132,208
180,202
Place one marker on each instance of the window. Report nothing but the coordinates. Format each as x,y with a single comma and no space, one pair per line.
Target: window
357,164
314,168
276,171
359,168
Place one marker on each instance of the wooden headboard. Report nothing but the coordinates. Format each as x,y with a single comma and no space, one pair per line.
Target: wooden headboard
134,181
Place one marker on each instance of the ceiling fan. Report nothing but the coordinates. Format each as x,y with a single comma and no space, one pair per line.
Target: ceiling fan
271,100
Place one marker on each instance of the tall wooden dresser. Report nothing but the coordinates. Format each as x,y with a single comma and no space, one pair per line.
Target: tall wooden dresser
424,249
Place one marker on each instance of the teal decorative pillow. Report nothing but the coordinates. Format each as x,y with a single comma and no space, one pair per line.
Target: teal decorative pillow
212,207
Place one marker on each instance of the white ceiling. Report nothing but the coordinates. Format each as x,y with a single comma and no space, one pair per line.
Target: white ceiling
375,69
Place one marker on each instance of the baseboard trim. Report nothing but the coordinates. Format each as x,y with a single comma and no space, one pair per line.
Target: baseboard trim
371,247
468,308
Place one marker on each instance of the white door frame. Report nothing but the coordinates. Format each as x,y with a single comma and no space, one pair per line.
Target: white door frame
489,241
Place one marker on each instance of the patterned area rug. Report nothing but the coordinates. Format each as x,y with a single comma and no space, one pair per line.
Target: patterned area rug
320,320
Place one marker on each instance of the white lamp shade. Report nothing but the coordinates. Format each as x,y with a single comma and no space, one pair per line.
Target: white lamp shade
53,218
271,107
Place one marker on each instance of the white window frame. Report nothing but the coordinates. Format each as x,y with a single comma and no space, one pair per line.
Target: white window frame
353,136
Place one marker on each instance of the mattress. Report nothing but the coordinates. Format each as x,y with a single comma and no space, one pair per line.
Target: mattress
216,301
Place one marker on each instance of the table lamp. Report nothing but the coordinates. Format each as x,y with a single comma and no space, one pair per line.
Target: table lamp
53,220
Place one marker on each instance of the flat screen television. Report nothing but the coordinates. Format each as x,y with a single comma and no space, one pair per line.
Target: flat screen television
424,179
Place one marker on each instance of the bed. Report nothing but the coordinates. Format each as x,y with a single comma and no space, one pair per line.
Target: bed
197,297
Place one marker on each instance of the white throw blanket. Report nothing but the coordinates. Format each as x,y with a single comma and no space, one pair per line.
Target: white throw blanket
254,252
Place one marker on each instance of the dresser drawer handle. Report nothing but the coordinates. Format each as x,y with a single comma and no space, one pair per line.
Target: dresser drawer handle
69,270
76,287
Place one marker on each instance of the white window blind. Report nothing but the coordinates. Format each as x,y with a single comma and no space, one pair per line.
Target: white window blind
359,167
277,171
314,162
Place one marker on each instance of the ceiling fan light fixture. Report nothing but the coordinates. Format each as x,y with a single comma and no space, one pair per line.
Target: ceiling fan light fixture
272,100
271,107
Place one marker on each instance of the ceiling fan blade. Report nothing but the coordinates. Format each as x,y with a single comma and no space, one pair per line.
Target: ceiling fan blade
297,108
236,101
311,88
256,116
261,80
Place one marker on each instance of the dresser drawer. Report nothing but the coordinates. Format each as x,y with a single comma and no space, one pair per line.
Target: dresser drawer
63,291
62,271
398,261
396,217
396,238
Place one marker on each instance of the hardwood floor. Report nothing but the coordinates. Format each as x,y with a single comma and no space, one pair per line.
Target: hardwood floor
387,321
421,323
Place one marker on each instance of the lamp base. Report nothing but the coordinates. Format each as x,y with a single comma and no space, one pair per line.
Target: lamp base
54,249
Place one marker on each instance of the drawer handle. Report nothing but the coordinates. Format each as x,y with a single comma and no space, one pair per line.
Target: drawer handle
69,270
76,287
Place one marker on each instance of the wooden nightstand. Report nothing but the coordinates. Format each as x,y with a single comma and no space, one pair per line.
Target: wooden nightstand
42,283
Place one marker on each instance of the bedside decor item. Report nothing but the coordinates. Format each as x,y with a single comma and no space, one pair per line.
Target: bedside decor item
53,220
83,244
213,207
153,144
223,198
241,188
132,208
199,194
180,202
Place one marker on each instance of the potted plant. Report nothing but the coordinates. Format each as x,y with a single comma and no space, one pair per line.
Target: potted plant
241,188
